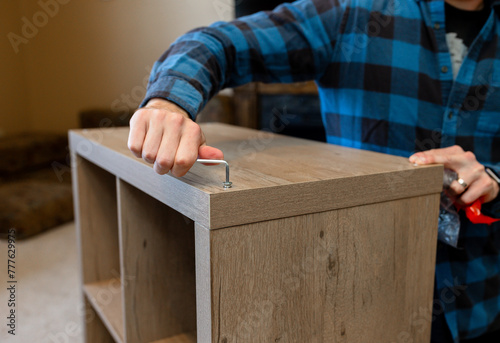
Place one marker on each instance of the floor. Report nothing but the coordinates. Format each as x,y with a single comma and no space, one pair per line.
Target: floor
48,297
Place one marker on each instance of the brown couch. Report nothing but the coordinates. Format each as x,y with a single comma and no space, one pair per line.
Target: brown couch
35,183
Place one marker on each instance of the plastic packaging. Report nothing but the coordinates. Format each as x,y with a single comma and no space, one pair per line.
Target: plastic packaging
449,222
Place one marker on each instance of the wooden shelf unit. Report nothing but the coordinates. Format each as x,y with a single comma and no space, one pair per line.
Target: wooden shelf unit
314,243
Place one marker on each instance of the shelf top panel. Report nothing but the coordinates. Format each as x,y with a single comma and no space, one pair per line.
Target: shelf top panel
273,176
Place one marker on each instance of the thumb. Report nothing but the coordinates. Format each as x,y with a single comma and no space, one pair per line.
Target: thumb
210,153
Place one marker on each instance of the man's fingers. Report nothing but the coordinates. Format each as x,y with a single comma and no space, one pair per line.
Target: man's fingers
475,183
433,156
152,143
449,161
187,151
466,178
165,135
165,158
137,134
481,188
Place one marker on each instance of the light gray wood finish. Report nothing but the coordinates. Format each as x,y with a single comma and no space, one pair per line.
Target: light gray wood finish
203,286
352,275
273,176
158,267
107,148
315,243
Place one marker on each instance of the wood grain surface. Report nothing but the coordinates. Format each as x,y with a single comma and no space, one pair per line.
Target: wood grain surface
315,243
97,229
158,267
96,220
352,275
182,338
106,299
273,176
95,331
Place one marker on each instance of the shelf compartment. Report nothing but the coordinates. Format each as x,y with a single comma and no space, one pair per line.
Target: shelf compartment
157,255
106,299
182,338
97,221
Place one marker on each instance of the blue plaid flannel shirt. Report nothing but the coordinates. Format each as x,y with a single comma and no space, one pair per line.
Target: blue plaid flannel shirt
385,83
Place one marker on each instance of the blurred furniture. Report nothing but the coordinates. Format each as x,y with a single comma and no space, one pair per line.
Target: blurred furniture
218,109
103,118
35,183
313,243
289,109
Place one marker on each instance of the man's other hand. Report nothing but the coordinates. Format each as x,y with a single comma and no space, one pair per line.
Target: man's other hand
479,184
163,134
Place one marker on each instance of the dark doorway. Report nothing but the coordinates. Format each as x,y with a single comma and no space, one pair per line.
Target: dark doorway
246,7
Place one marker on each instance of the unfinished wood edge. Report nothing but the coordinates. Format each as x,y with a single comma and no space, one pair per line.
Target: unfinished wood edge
119,183
76,211
203,284
78,234
91,290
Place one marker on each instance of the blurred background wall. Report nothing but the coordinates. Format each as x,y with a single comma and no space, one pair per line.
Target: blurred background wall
59,57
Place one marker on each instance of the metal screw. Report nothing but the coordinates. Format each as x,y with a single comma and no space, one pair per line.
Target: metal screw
227,183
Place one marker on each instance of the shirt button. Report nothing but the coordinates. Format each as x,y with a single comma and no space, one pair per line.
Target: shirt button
444,69
450,115
437,26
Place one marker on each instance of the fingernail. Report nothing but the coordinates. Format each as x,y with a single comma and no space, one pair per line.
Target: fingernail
420,160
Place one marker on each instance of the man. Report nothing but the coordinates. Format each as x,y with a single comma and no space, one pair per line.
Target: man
414,78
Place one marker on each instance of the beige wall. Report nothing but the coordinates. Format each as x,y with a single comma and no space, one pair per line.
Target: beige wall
13,100
90,53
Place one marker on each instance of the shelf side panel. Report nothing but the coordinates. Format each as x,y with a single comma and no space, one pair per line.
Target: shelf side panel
352,275
158,267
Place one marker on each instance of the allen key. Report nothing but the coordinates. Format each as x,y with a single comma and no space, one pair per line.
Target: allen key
226,184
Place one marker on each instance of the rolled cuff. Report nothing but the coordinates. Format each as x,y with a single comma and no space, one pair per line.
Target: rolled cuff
178,91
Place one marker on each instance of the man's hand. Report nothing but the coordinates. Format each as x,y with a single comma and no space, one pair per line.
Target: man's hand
464,163
163,133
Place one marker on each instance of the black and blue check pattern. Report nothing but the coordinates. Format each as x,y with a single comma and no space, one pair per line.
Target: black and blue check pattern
385,80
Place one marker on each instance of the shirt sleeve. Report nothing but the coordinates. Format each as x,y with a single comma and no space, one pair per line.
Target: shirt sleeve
290,44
